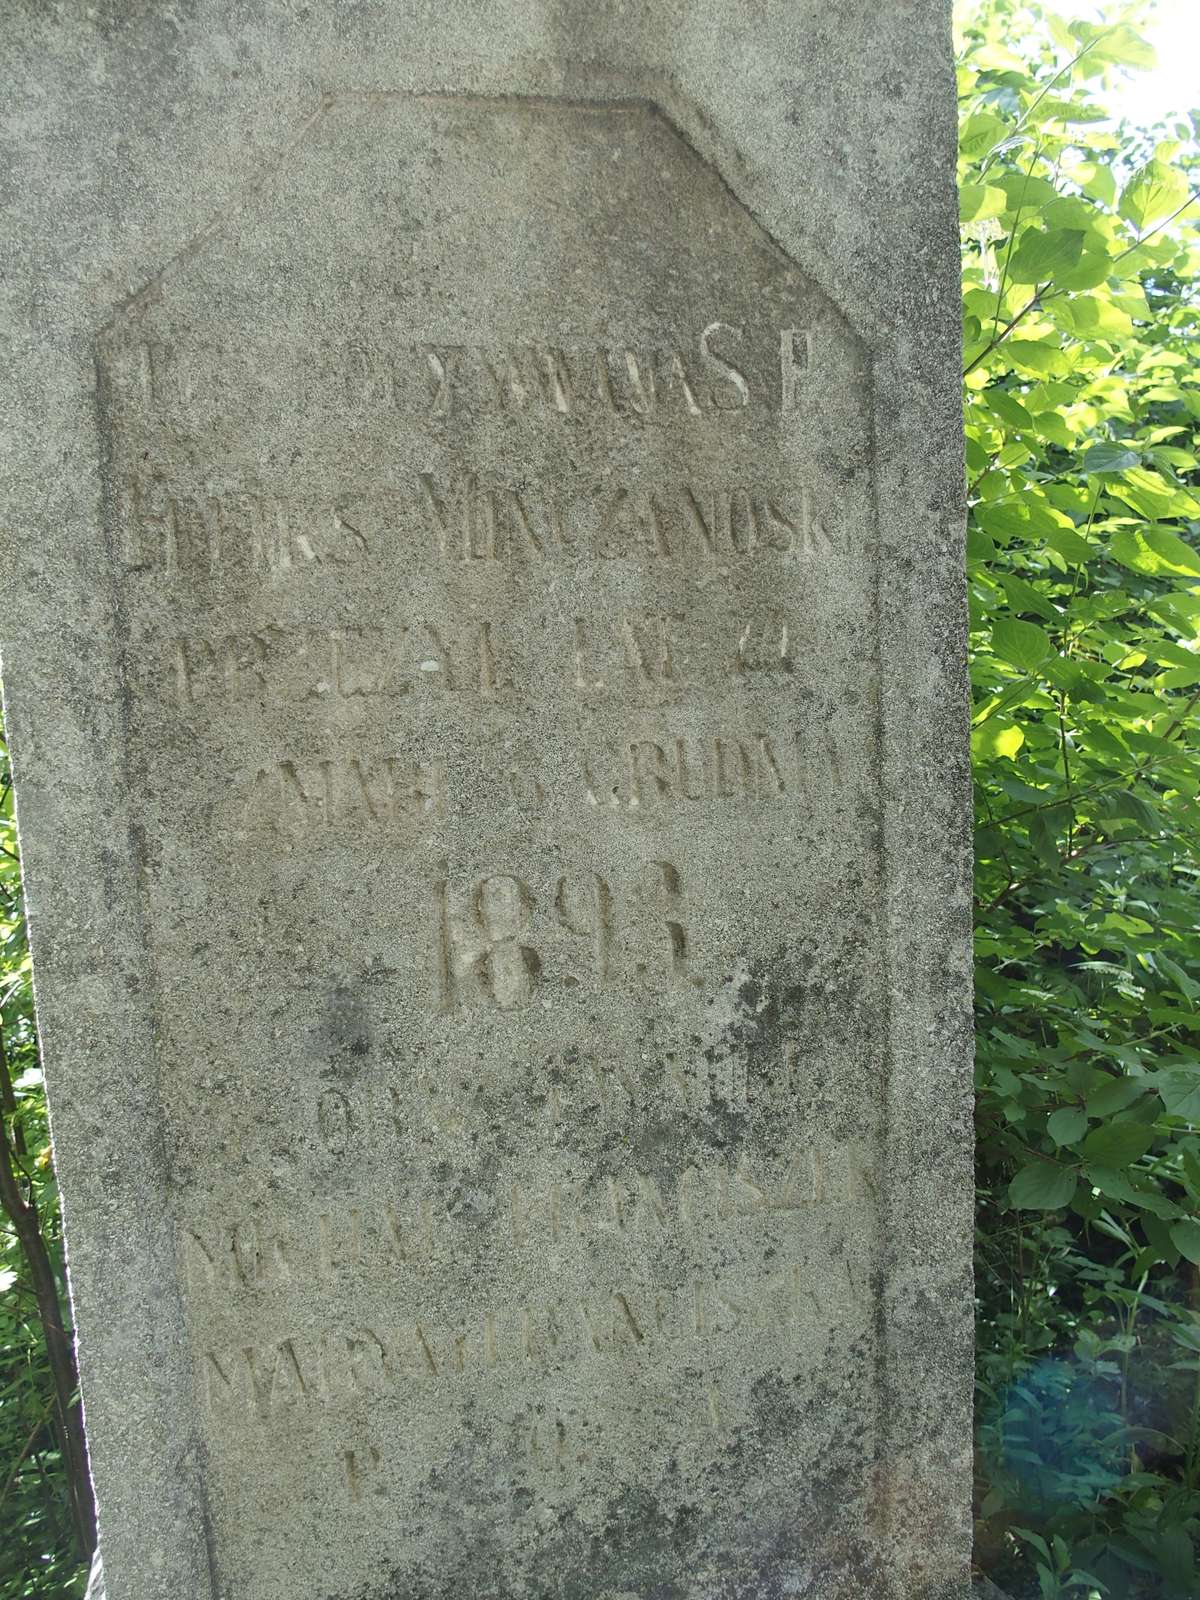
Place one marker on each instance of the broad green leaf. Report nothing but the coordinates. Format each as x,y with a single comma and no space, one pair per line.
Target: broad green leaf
1115,1095
1024,596
1154,192
1108,458
1016,694
1180,1093
1185,1236
1043,1186
1067,1124
1179,677
1026,193
1154,551
994,57
1069,545
1096,179
1117,1144
1044,835
979,201
1120,44
1092,317
979,133
996,739
1055,428
1008,408
1071,212
1186,985
1149,493
1075,678
1053,109
1004,522
1034,356
1089,272
1022,644
1042,254
980,546
1111,1183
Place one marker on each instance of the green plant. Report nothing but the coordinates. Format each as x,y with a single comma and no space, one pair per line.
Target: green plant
1080,301
46,1519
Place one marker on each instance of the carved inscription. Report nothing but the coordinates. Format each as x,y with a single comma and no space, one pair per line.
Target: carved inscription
713,372
466,516
306,798
497,939
606,1323
649,774
274,665
175,533
476,518
640,658
576,1086
719,370
257,1252
496,588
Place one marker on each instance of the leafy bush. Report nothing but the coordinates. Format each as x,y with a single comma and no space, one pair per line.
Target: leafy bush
1080,280
45,1501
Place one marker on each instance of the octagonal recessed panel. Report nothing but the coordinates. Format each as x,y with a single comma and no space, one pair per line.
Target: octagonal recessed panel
492,506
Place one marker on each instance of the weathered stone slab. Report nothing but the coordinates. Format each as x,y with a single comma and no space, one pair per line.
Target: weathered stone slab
488,703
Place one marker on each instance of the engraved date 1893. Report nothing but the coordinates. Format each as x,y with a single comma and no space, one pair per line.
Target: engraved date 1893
498,939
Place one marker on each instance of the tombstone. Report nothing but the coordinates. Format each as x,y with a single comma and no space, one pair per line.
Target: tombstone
486,672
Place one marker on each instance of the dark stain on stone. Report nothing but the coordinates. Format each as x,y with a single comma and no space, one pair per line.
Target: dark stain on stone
344,1032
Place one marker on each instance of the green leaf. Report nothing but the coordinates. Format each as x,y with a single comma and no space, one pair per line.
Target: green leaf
1025,192
1042,1186
1023,596
979,133
1156,552
1108,458
1185,1236
1154,192
1178,677
1180,1093
1093,266
1045,252
1114,1185
1035,356
1096,179
996,739
1004,521
979,201
1069,545
1008,408
1115,1094
1066,1125
1120,44
1022,644
980,546
1152,496
1043,835
1117,1144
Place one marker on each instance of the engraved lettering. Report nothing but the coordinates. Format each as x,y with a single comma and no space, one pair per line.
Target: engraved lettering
362,1465
311,798
647,642
725,369
795,359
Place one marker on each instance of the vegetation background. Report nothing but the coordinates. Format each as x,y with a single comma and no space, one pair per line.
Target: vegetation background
1081,278
1081,271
